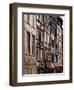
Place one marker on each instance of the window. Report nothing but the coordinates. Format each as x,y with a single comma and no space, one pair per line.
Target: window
52,30
39,35
45,36
38,53
43,18
33,45
52,58
52,36
53,50
56,58
48,38
28,42
52,43
43,55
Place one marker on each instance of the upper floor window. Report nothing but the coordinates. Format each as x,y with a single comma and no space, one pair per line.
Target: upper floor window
39,35
52,36
52,43
52,58
33,45
28,42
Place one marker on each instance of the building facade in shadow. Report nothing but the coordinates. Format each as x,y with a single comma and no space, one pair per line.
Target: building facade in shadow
43,44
